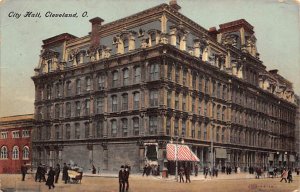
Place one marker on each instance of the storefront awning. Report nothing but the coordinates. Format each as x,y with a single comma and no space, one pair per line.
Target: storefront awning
184,153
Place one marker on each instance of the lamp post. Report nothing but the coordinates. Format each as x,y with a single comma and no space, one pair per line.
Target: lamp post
211,150
176,156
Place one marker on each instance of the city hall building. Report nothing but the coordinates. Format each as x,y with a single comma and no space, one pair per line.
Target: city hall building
129,88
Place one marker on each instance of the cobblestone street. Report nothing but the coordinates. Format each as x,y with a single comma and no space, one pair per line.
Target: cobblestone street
109,183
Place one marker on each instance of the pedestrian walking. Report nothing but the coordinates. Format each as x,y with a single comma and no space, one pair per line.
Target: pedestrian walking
126,177
65,176
196,170
181,173
205,172
284,175
187,174
145,170
57,172
290,177
93,170
38,173
50,179
23,171
122,179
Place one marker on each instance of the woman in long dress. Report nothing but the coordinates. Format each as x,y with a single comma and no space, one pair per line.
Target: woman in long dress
50,179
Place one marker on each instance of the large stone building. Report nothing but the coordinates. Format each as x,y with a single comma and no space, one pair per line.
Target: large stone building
121,93
15,142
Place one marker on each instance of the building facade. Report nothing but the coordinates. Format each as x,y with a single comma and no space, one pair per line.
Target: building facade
15,142
121,93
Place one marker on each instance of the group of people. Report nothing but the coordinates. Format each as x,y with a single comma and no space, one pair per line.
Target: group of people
153,169
287,175
210,171
124,178
184,171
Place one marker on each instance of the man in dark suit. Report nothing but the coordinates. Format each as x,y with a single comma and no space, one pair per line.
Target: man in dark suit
23,171
187,174
126,177
65,176
122,179
57,171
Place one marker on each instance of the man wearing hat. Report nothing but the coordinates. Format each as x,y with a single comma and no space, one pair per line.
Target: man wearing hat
126,177
122,179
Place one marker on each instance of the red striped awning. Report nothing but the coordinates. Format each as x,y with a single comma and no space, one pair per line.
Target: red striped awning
184,153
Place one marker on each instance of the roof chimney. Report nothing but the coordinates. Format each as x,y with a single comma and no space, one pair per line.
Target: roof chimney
174,5
96,22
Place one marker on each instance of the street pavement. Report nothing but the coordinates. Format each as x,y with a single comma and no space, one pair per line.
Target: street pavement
107,182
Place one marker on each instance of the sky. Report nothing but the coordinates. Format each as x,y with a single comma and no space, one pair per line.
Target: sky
276,25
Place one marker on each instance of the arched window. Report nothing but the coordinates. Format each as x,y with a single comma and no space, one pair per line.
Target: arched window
15,154
4,153
25,152
136,100
125,127
88,84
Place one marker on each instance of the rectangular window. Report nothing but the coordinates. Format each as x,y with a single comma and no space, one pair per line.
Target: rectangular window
113,128
87,130
193,104
125,102
101,81
184,103
57,88
15,134
176,127
169,72
77,131
218,90
168,126
115,79
4,135
68,110
153,98
200,106
125,127
100,105
57,110
199,130
184,77
154,72
206,82
200,84
99,129
193,130
68,131
169,96
137,74
136,100
57,132
88,84
125,77
78,108
26,133
205,108
78,86
153,125
69,89
87,107
177,71
114,103
205,132
183,128
177,101
136,129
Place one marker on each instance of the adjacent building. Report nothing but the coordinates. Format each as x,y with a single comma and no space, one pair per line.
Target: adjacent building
127,89
15,142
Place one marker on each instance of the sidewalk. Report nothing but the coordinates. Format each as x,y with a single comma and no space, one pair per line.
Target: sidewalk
172,177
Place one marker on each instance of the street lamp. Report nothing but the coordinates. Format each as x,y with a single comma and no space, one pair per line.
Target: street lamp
176,156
